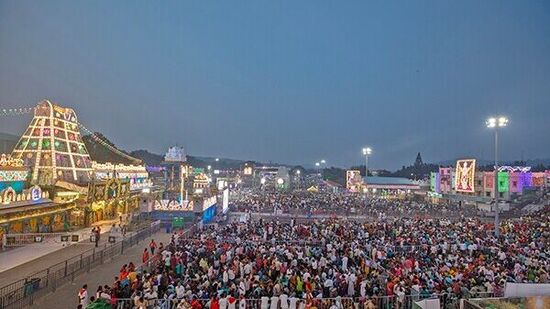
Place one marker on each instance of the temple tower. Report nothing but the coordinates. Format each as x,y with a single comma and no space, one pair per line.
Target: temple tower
52,147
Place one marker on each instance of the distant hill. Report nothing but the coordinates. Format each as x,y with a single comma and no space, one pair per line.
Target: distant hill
102,154
154,159
147,157
7,142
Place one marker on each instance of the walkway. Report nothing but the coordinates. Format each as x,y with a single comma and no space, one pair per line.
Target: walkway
66,296
19,263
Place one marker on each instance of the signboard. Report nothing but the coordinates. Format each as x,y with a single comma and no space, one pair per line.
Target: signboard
433,181
178,222
538,179
503,182
526,179
353,180
225,201
432,303
221,184
465,174
208,202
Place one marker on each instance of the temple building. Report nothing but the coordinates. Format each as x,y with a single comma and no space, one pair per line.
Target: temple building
50,184
53,148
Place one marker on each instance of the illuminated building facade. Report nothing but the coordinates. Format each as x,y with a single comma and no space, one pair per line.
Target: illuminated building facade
28,208
479,186
48,183
12,174
108,200
52,147
137,175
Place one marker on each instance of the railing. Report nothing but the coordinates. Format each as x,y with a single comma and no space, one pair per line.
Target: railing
395,302
18,240
23,292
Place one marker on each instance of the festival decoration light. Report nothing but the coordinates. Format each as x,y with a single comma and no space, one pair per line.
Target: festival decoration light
353,180
41,153
465,172
9,161
523,169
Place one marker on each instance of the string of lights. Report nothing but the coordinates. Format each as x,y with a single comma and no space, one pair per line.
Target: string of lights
16,111
95,138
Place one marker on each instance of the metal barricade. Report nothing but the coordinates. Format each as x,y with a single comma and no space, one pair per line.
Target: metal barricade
383,302
22,292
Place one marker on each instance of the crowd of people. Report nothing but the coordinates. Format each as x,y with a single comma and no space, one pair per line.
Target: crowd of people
335,262
344,204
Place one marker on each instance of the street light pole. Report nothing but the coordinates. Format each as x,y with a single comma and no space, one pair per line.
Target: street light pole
497,208
366,165
318,166
496,123
366,151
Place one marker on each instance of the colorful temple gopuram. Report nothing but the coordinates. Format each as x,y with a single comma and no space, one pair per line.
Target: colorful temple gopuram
49,182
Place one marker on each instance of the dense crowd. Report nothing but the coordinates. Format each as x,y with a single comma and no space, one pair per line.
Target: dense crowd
290,265
345,204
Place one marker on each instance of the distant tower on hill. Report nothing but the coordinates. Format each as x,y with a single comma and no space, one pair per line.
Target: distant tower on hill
175,154
418,160
52,146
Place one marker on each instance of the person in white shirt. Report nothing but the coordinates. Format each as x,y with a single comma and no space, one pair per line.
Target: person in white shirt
223,302
83,296
363,288
105,295
274,302
231,274
242,288
225,277
345,263
293,302
328,284
180,291
242,302
284,300
351,285
264,302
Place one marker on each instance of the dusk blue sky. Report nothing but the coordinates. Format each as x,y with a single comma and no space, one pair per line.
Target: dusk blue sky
287,81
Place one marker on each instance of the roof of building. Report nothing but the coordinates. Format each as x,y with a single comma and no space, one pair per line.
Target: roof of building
332,183
378,180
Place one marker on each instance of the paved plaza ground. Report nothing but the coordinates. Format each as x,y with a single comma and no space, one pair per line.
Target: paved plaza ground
19,263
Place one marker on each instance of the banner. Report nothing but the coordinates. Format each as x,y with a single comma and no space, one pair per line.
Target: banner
465,174
503,182
526,289
353,180
427,304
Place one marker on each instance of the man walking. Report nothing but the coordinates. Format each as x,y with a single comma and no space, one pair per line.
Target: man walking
83,296
152,246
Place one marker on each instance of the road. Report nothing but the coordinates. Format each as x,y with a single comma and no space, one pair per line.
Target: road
57,254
